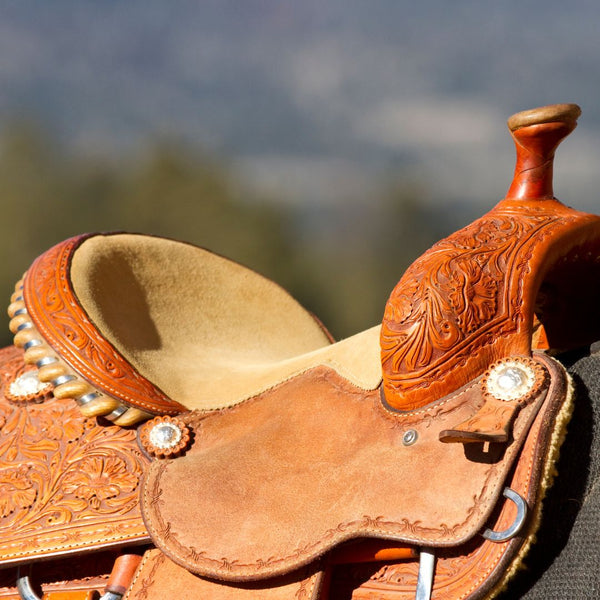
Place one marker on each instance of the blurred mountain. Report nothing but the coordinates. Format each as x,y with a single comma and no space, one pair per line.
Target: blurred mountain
314,101
340,264
324,143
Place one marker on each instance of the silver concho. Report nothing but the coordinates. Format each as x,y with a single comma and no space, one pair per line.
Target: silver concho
27,385
165,435
513,379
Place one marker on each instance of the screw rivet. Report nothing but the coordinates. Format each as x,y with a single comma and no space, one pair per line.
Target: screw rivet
410,437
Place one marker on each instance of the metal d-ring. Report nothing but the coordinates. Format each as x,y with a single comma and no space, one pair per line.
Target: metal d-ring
510,532
25,589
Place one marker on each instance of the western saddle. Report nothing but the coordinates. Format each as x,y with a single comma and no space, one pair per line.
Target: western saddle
174,425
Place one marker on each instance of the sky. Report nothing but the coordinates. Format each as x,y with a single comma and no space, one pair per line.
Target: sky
313,101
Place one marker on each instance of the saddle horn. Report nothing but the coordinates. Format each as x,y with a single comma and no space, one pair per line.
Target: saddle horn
473,298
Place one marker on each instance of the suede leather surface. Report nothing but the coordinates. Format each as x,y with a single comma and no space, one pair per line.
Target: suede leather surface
475,570
275,482
206,331
158,578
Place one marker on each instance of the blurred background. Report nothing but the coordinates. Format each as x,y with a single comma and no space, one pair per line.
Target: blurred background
323,143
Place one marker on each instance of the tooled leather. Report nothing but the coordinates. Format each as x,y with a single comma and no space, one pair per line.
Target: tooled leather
67,484
65,326
469,299
13,369
473,570
158,578
408,511
75,579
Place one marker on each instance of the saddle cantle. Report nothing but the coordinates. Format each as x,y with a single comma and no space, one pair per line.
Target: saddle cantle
132,326
408,461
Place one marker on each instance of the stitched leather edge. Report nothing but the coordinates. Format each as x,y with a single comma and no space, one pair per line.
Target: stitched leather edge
66,327
232,570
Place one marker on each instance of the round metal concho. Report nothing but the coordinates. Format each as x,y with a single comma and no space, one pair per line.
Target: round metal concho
514,379
164,436
27,387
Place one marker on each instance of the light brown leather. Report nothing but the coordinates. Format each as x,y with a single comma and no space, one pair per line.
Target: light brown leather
178,312
71,595
122,573
79,575
68,484
158,578
276,482
479,568
465,572
79,595
471,298
165,326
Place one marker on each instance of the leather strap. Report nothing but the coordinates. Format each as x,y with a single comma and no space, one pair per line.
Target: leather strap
158,578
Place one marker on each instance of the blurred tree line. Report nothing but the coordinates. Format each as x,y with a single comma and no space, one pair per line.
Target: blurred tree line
340,261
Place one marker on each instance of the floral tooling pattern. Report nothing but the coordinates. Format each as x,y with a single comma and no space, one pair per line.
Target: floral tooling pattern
65,480
99,479
462,296
66,327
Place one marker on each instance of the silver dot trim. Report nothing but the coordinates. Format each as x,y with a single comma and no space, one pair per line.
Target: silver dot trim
410,437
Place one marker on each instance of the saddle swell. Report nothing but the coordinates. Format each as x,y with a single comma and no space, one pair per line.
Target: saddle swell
473,297
168,397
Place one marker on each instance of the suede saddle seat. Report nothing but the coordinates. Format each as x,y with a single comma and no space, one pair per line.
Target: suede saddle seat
125,327
131,326
276,454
